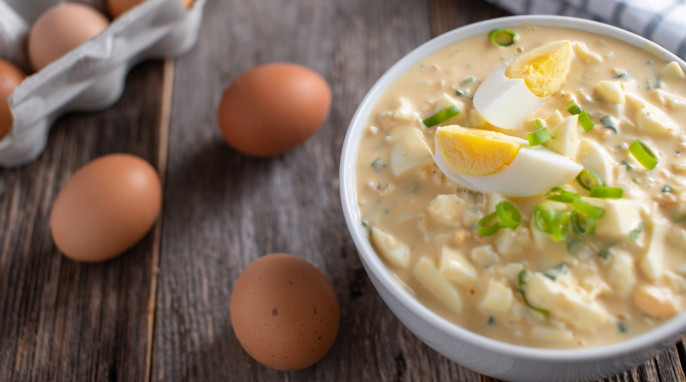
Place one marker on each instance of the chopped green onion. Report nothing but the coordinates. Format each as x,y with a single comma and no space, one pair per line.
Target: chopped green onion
556,271
573,108
459,92
378,164
635,233
441,116
643,154
560,226
502,37
588,209
509,214
521,278
539,136
605,252
509,218
585,121
538,123
609,123
588,180
467,81
485,229
606,192
582,225
543,217
557,194
666,188
540,311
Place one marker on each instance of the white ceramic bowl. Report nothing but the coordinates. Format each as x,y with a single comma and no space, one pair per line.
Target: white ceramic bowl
482,354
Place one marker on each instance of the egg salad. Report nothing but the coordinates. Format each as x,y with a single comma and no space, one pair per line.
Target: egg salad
532,189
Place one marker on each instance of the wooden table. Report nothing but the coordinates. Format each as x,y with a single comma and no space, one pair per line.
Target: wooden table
160,312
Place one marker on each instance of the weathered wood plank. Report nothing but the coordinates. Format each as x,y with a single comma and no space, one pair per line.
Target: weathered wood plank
61,320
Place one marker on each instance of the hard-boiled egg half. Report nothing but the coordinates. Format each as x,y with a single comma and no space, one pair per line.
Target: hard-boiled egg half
511,93
489,161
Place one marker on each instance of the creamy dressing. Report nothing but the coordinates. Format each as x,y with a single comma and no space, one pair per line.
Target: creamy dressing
614,283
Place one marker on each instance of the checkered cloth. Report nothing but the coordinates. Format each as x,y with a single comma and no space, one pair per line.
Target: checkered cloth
662,21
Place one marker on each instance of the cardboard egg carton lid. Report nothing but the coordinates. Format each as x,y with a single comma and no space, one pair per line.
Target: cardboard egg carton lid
90,77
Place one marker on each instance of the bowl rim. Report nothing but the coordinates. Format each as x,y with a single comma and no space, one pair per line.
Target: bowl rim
667,331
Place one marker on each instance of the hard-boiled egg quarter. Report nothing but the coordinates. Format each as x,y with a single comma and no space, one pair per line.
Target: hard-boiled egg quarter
489,161
513,92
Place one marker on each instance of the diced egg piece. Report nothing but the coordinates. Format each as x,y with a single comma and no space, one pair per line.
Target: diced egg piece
594,158
673,71
410,152
505,102
565,137
510,94
393,250
494,162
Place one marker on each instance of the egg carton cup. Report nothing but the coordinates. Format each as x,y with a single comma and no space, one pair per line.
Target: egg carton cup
92,76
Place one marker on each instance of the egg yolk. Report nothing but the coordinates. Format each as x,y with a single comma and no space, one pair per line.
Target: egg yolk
544,69
475,152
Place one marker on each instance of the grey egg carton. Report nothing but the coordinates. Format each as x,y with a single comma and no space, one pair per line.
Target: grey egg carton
90,77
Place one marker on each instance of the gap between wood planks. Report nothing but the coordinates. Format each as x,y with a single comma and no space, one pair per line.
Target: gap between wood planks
162,152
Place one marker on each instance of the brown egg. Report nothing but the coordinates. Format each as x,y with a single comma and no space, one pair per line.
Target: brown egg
10,78
284,312
106,208
272,108
60,29
118,7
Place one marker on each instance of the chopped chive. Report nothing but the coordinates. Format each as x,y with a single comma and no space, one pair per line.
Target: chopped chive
467,81
575,245
606,192
556,271
679,216
666,188
539,136
604,253
557,194
540,311
459,92
581,224
415,188
573,108
635,233
502,37
622,327
491,321
441,116
628,165
378,164
609,123
521,277
588,180
620,75
585,121
588,209
643,154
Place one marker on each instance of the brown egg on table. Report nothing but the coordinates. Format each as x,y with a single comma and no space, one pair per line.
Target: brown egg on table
272,108
119,7
106,208
60,29
284,312
10,77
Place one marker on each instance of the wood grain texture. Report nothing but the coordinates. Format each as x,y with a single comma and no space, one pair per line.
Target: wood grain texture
61,320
